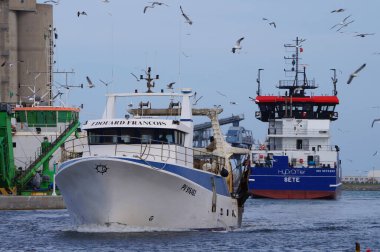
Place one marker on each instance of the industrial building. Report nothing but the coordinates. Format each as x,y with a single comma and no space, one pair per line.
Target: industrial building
26,52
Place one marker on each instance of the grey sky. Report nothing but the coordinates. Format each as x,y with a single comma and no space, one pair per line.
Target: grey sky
116,38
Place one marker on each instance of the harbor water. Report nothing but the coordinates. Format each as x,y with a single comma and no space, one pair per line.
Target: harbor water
268,225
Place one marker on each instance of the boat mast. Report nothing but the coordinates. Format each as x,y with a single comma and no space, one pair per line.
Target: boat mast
258,80
335,81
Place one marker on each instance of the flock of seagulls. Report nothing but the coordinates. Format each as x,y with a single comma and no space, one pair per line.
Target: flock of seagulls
90,84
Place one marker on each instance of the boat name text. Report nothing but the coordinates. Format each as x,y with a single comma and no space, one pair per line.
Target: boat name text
290,172
292,179
188,190
131,122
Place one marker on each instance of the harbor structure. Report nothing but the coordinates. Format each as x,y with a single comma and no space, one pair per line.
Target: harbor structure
26,51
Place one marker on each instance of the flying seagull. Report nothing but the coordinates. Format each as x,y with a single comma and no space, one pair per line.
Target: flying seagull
355,74
344,25
363,34
81,13
188,20
105,83
10,63
59,93
375,120
343,22
90,85
237,45
337,10
196,100
146,7
158,3
135,76
170,85
221,93
273,23
51,1
270,22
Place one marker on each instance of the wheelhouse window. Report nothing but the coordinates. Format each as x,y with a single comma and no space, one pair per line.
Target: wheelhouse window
135,136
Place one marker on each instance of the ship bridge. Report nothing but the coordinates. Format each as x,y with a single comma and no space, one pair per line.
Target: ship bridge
298,107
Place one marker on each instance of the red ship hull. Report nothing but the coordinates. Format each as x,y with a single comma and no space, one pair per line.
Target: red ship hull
293,194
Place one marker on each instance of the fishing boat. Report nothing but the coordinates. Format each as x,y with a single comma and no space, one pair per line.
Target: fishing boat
140,170
297,160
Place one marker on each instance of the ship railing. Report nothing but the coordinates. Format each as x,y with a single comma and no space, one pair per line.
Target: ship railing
299,83
304,147
280,131
298,163
146,150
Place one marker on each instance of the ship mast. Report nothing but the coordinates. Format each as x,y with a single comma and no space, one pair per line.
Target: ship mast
296,84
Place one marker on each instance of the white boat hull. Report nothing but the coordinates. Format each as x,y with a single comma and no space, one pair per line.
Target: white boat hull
103,191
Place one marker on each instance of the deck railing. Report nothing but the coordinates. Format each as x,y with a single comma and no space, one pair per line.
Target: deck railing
147,150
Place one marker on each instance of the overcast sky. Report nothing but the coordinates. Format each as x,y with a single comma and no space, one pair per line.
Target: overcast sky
117,38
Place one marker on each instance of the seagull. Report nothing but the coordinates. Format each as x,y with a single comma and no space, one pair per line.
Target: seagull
344,25
90,85
170,85
135,77
343,22
59,93
237,45
337,10
355,74
273,23
196,100
270,22
81,13
375,120
51,1
363,34
146,7
105,83
233,103
158,3
188,20
221,93
10,63
376,153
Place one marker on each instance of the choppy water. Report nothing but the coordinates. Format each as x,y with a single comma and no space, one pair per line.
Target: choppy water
268,225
